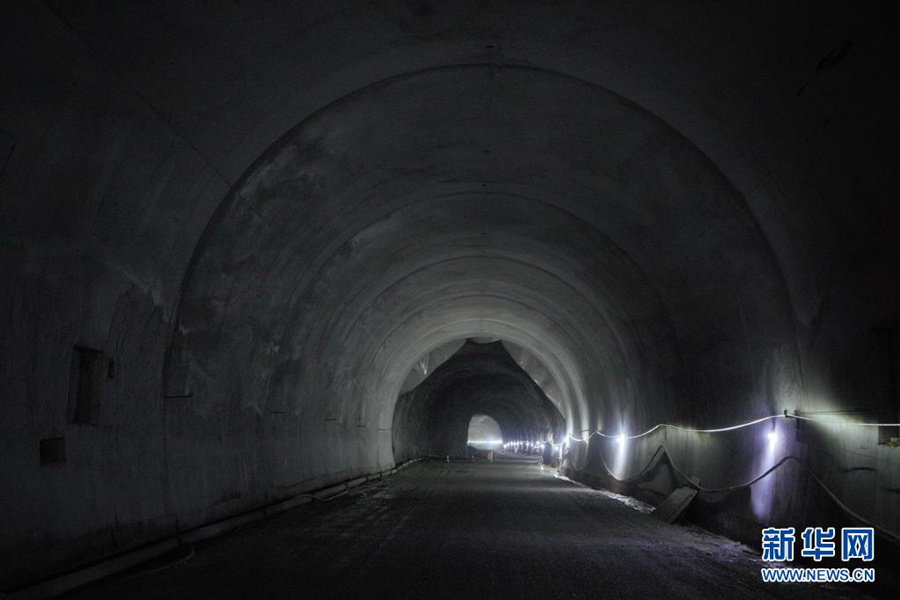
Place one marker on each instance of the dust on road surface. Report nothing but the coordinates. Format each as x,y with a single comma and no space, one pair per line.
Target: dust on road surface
464,530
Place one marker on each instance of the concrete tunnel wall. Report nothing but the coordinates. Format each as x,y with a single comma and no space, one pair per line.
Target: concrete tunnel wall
479,379
270,216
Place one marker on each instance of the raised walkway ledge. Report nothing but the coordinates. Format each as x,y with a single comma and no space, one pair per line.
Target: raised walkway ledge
130,559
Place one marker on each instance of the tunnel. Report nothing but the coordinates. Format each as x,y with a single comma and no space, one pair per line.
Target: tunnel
484,431
265,266
478,397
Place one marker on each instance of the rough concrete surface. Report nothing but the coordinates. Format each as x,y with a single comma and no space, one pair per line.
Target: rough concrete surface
464,530
260,224
434,418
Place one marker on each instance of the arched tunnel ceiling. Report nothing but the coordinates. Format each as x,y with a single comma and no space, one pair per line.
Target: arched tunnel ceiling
485,200
479,380
734,96
537,370
273,212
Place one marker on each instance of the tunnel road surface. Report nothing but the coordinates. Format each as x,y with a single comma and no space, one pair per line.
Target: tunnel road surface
463,530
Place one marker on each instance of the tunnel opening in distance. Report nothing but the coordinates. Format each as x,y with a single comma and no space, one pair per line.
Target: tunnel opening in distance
479,394
620,278
484,433
243,250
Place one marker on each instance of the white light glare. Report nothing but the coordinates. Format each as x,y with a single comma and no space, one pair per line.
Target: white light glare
773,439
621,439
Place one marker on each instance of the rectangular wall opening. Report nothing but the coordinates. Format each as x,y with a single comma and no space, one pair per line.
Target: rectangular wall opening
85,385
53,450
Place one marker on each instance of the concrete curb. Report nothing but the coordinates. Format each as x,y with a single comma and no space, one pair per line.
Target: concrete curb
59,585
133,558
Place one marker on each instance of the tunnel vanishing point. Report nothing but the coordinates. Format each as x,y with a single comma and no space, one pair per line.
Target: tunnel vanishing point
251,250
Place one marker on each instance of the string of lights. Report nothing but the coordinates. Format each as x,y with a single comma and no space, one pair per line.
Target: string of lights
662,448
785,415
836,422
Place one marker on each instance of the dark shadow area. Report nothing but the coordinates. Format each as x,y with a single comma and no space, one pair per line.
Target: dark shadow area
243,246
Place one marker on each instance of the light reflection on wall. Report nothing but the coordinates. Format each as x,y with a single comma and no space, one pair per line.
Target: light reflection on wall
621,445
771,444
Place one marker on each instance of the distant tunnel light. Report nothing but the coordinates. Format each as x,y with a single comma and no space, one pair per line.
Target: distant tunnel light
484,432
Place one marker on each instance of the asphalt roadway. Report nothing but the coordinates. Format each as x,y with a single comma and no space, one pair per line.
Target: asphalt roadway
462,530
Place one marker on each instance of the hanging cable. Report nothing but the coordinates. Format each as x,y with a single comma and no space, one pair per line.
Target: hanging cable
785,415
834,422
662,448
